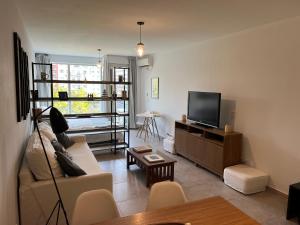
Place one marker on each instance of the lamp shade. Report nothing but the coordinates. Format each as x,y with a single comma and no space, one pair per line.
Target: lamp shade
140,49
58,121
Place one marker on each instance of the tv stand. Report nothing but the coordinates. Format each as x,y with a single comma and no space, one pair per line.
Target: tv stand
210,148
201,125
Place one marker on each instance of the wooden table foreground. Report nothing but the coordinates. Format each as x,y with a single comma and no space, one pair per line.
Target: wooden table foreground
210,211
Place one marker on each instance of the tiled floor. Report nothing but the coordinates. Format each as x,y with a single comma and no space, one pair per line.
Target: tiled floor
131,193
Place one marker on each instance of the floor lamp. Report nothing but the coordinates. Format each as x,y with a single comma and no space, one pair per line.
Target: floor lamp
61,125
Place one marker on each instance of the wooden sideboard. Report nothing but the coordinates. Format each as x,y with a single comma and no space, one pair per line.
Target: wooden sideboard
210,148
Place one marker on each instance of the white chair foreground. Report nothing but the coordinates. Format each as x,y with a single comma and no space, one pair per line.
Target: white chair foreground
165,194
94,206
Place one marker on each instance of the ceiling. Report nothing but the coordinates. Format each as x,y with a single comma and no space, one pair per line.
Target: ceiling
80,27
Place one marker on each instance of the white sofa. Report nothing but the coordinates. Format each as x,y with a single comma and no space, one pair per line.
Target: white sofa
37,198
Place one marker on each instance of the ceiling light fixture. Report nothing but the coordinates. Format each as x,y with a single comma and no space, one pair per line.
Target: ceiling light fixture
140,45
99,60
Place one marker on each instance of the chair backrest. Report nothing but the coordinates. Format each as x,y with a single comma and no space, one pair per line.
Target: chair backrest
94,206
165,194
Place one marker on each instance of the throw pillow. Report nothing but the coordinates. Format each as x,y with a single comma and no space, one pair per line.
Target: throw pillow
60,148
37,161
68,166
46,130
64,140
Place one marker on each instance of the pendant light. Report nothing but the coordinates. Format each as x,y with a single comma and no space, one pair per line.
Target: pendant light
99,64
140,45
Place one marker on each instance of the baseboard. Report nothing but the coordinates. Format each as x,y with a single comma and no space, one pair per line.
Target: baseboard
284,195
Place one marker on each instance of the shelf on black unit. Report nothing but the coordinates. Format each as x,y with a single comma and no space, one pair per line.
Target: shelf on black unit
80,82
81,99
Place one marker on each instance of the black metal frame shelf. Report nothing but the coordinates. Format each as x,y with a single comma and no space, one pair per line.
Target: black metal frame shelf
98,130
46,99
90,115
99,147
113,129
81,82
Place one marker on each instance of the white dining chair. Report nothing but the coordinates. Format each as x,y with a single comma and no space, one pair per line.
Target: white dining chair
165,194
94,206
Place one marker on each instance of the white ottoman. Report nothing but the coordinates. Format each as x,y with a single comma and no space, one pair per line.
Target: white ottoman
245,179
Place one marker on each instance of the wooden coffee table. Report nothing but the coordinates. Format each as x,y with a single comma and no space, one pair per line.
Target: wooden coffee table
155,172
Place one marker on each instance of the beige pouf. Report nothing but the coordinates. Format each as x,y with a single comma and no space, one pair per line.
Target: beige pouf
245,179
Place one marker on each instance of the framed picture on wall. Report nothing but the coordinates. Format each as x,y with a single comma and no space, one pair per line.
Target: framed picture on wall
21,79
154,87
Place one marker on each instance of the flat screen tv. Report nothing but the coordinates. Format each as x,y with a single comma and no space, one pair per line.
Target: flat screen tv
204,108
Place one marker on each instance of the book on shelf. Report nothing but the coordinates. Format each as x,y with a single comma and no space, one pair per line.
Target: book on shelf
154,158
142,149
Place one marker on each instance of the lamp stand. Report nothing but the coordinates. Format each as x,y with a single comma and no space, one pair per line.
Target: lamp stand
59,204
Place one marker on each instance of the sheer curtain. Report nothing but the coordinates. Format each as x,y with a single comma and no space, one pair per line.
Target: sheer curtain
132,97
106,77
107,67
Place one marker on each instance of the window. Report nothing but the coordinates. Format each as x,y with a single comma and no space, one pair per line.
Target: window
77,73
119,88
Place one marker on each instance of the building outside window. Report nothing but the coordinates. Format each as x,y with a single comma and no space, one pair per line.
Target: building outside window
77,73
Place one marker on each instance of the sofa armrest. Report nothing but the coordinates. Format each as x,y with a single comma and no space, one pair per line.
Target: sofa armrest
69,188
77,138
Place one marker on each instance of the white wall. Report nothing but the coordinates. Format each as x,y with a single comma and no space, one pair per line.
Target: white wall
258,70
13,135
73,59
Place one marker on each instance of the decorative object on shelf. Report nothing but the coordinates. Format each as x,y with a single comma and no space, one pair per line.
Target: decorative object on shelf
61,126
44,76
140,46
114,95
104,94
154,87
36,112
63,95
183,118
228,128
120,78
90,97
124,94
21,79
99,63
34,94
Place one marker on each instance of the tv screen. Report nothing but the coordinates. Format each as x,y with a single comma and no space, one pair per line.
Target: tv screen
204,108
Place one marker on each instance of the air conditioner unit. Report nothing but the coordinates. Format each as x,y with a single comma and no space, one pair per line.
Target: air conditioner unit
146,61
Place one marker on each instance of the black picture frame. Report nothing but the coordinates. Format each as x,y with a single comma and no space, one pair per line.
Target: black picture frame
21,79
63,95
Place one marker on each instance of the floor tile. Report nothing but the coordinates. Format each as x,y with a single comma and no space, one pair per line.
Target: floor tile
131,193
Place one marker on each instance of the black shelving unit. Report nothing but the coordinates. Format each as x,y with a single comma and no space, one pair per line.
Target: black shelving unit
114,115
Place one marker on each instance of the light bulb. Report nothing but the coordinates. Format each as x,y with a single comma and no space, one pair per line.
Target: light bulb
140,49
99,64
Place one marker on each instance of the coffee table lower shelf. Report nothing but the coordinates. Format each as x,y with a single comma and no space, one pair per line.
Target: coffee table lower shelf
155,172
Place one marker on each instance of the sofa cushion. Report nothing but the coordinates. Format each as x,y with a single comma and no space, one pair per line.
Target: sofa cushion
64,140
37,161
46,130
83,157
68,166
59,148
